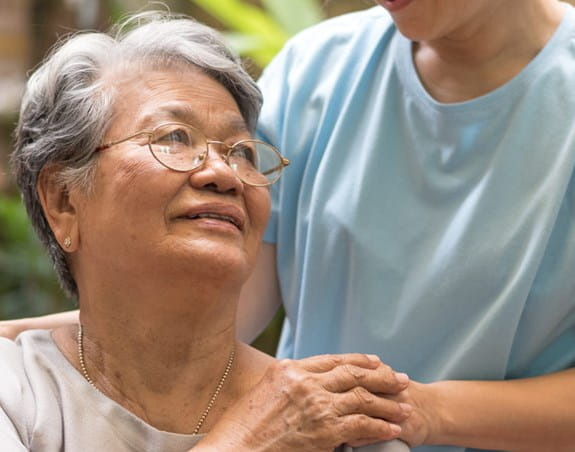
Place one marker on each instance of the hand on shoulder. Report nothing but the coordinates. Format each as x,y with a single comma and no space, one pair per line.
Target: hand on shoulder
9,329
12,328
314,404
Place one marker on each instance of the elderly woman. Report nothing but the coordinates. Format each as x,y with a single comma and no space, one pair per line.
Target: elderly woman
138,169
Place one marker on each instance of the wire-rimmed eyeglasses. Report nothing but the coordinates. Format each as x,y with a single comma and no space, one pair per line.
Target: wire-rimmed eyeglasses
181,147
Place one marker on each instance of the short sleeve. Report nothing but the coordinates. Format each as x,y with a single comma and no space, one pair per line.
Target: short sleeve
275,87
14,403
9,436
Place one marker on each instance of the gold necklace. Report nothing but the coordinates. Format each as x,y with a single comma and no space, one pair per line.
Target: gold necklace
211,403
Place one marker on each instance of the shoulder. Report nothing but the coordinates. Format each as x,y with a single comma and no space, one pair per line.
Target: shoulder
317,45
345,27
26,372
12,371
17,401
323,65
253,362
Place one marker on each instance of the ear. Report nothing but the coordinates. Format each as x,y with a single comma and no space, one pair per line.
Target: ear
59,207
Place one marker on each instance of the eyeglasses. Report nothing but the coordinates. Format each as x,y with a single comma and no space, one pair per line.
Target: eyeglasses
180,147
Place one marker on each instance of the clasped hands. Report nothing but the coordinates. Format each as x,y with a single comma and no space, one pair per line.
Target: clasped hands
317,404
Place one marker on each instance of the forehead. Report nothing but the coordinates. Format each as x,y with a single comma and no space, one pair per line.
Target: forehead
148,98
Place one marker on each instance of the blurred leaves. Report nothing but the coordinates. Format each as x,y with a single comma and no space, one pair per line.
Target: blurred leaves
28,284
261,32
294,15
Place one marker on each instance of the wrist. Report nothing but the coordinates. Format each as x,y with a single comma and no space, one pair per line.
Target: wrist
438,418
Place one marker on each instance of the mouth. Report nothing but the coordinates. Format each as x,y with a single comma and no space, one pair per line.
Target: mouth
216,216
217,212
394,5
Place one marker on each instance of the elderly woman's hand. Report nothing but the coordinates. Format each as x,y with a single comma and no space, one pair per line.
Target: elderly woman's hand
314,404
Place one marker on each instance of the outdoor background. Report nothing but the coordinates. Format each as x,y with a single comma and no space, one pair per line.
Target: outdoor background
257,29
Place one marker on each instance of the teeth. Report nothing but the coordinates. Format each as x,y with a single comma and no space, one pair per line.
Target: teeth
217,217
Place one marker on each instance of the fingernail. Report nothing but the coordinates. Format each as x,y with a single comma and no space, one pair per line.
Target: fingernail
374,358
406,408
395,429
402,378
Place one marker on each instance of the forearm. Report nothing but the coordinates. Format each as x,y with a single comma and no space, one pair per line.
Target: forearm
260,297
11,328
532,414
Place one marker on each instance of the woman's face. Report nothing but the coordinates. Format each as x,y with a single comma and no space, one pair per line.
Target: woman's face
143,216
429,20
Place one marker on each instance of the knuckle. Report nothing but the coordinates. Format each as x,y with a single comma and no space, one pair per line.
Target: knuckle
364,358
386,369
365,426
387,375
356,373
284,364
301,384
290,377
360,424
336,360
286,369
362,396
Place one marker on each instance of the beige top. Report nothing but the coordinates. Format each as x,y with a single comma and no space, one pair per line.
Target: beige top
46,405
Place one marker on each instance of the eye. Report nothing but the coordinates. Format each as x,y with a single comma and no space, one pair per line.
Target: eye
245,151
172,137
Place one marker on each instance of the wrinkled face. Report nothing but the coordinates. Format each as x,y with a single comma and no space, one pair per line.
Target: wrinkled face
428,20
143,216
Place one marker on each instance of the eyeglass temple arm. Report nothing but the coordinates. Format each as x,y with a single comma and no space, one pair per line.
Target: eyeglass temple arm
285,162
113,143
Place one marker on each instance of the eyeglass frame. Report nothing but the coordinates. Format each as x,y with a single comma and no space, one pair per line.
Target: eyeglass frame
225,156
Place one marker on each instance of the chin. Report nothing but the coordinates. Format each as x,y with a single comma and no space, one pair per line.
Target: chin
415,33
226,262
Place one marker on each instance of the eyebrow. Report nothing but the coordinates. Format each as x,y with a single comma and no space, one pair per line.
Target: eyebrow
232,123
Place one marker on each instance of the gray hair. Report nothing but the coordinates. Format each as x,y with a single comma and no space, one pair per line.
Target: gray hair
67,106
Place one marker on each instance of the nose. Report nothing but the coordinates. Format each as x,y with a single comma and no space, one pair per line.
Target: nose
215,174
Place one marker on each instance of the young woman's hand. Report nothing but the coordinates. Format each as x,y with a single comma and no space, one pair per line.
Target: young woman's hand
12,328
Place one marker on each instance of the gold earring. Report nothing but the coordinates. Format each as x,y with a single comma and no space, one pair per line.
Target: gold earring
67,242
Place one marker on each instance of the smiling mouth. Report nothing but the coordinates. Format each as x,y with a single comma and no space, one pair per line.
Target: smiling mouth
215,216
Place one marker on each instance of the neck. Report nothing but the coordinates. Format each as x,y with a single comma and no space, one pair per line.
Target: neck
154,353
481,56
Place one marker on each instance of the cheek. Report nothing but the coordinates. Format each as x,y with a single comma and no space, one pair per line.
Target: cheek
132,177
136,175
258,206
134,191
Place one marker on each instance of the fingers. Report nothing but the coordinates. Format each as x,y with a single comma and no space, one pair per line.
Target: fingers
381,380
317,404
361,401
346,371
325,363
345,390
361,429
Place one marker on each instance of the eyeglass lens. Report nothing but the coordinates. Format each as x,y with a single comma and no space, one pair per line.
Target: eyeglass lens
183,148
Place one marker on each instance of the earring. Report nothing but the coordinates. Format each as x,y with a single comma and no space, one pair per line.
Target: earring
67,242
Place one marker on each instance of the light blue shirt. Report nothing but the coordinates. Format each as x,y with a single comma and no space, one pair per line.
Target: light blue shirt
439,236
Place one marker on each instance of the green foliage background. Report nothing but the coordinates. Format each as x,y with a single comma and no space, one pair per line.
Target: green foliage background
27,282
